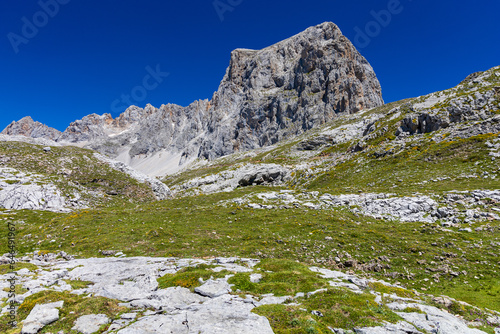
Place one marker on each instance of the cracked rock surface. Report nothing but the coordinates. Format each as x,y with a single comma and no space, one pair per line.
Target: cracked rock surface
211,308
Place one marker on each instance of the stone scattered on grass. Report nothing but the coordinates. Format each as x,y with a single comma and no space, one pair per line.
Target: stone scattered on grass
214,288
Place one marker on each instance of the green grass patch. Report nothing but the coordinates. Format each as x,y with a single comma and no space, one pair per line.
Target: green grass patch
280,277
189,277
340,309
6,268
19,290
199,226
78,284
407,167
400,292
412,310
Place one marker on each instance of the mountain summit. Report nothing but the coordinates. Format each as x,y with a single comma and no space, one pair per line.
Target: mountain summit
26,126
265,96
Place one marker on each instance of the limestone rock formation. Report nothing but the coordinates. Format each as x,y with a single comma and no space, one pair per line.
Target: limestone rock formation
288,88
243,176
88,324
20,191
93,127
29,128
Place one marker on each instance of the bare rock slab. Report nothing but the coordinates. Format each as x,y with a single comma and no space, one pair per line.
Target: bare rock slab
437,321
214,288
40,316
88,324
222,315
401,327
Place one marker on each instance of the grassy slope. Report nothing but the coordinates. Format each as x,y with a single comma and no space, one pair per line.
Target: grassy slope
72,169
198,227
404,171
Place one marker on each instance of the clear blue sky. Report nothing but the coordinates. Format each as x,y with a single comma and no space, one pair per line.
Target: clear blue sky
84,55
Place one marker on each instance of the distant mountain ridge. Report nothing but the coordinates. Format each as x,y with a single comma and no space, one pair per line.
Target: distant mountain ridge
26,126
265,96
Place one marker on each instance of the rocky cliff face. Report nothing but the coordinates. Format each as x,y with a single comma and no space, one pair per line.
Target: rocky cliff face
265,96
288,88
29,128
94,127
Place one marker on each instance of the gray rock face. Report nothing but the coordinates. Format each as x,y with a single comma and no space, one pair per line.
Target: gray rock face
288,88
225,314
29,128
93,127
401,327
20,191
407,209
32,197
89,128
452,107
245,175
213,288
315,143
461,109
266,95
388,206
88,324
435,320
40,316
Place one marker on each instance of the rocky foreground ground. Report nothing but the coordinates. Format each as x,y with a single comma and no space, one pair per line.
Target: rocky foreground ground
213,307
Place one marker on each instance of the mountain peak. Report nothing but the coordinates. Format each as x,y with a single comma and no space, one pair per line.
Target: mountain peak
27,127
26,119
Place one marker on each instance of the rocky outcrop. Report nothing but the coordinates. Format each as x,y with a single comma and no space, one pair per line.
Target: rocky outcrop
431,319
288,88
20,191
91,323
315,143
265,96
246,175
29,128
407,209
417,208
32,197
474,100
94,127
